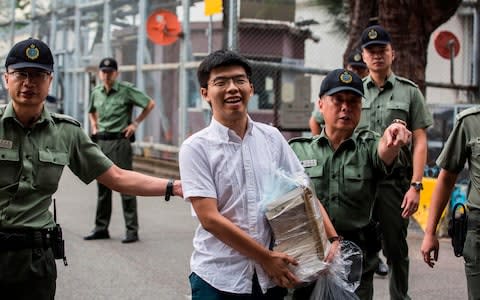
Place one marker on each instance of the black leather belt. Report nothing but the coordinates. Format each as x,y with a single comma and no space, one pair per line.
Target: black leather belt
110,135
18,239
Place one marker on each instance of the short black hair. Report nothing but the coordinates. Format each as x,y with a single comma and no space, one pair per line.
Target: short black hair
221,58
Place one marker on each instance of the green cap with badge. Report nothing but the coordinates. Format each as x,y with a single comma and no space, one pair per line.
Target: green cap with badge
375,35
341,80
30,53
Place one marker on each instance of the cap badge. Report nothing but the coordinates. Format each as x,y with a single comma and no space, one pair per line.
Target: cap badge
372,34
106,62
357,57
345,77
32,52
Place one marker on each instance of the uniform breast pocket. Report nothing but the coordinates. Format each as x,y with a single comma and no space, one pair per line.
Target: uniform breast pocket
316,175
50,169
358,179
9,167
397,110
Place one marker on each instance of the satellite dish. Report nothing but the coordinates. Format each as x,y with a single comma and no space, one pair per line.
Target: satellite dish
444,42
163,27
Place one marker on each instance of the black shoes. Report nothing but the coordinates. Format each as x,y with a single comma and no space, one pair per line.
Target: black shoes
130,238
97,235
382,268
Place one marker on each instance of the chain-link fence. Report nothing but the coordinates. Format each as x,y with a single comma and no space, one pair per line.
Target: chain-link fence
291,44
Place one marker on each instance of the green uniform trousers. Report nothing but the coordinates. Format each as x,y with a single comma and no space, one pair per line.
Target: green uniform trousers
120,152
394,228
471,255
27,274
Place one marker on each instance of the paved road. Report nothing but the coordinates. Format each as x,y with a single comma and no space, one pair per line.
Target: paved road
157,267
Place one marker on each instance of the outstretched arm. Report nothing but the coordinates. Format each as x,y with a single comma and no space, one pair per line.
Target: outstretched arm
134,183
394,137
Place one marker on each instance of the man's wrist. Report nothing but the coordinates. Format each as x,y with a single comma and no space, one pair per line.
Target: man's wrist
400,121
135,123
169,189
417,185
335,238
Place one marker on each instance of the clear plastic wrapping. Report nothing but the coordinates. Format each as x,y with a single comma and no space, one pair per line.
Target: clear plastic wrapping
342,276
294,215
293,212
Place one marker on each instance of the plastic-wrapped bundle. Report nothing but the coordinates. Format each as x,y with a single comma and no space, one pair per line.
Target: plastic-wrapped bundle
342,276
296,220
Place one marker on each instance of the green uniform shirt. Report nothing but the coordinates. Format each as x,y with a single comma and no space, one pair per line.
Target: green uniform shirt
115,108
32,161
463,145
345,180
400,98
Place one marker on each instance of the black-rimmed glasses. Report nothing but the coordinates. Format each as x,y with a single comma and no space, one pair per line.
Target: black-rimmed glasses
222,82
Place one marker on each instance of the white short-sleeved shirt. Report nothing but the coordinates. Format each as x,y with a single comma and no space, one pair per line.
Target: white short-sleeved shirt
216,163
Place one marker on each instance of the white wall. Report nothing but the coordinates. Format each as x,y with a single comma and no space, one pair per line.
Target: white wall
438,68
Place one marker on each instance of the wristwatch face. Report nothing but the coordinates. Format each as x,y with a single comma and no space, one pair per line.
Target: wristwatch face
417,186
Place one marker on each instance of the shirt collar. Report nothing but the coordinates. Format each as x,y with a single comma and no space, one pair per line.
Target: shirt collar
114,87
350,142
9,113
225,134
388,83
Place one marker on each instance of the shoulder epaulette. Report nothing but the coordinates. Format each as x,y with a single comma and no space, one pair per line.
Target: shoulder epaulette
126,83
98,87
301,139
405,80
468,111
65,118
366,134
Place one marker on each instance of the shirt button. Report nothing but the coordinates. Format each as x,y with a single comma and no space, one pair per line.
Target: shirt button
24,178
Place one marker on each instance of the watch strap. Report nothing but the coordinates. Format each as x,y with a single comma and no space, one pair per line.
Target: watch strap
169,189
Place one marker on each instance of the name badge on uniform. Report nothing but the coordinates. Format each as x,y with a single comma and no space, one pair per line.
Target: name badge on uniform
6,144
309,163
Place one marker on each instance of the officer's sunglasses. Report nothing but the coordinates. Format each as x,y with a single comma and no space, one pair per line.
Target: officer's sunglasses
36,76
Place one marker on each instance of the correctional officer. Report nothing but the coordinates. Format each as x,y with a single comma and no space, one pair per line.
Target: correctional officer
463,145
35,146
345,166
390,98
110,115
355,64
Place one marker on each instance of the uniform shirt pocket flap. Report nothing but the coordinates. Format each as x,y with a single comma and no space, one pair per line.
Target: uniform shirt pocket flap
358,173
398,105
58,158
314,171
9,155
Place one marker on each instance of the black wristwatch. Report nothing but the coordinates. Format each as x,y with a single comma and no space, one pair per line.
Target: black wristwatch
169,190
417,185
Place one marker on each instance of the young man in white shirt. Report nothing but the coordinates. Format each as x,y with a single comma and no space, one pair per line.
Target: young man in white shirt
223,169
